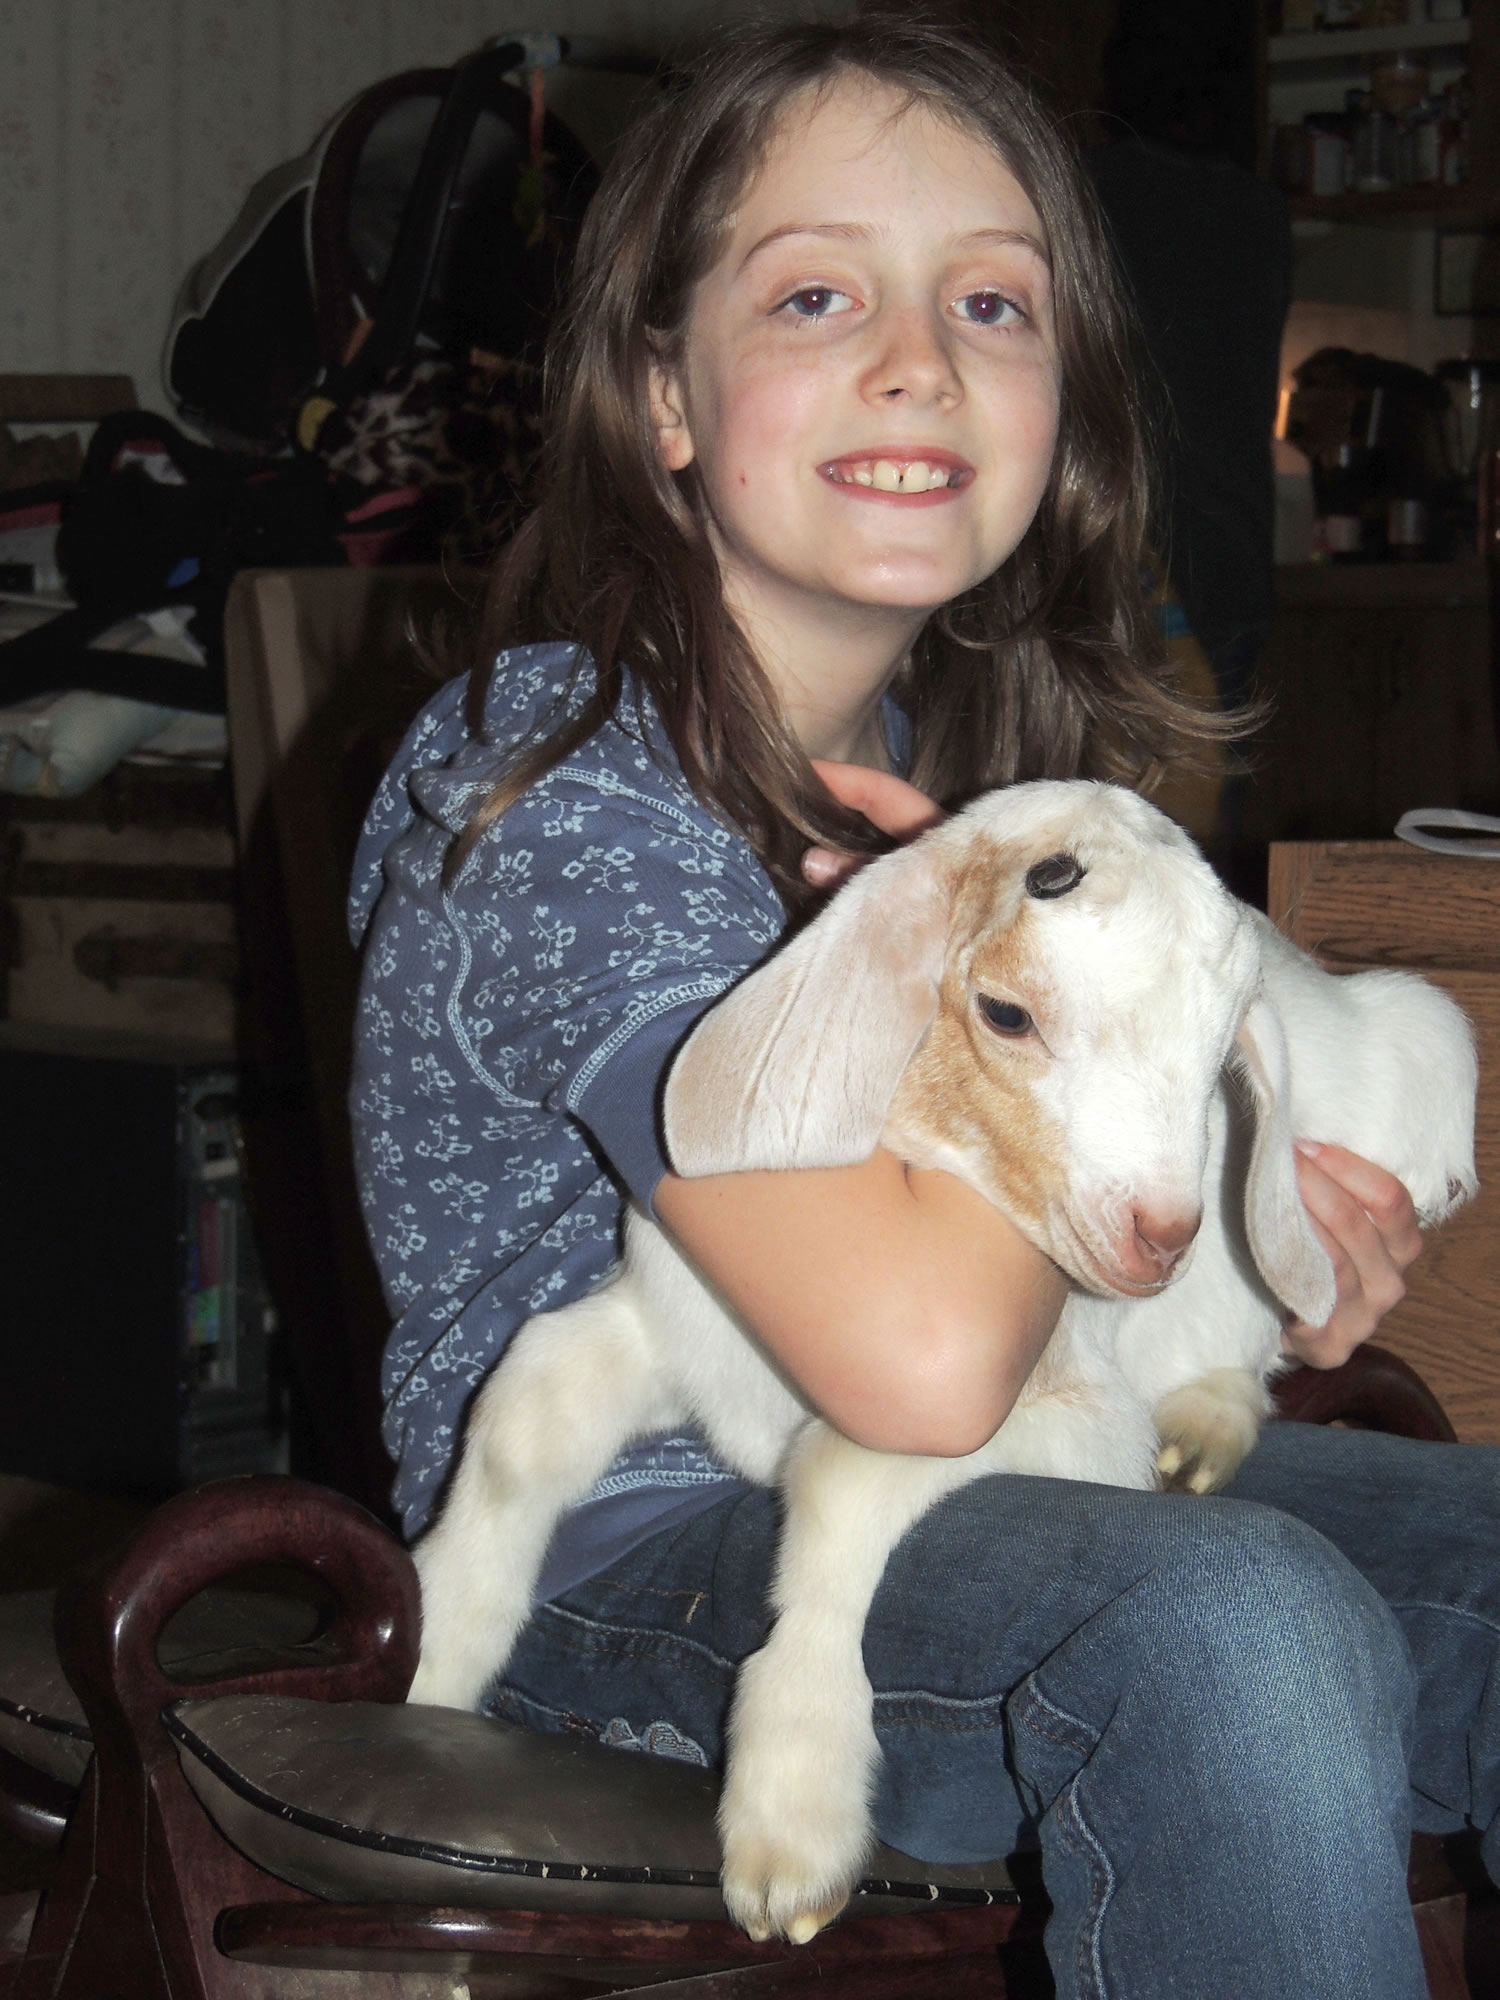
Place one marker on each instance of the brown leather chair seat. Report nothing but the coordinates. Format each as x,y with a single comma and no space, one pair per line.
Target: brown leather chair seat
383,1802
44,1734
42,1724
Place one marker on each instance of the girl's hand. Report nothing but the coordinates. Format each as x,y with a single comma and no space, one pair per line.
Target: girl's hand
1365,1220
896,807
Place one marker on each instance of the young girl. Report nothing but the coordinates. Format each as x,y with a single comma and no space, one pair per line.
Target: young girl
845,489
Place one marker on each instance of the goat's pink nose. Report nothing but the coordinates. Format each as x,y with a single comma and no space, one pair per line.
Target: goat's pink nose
1161,1237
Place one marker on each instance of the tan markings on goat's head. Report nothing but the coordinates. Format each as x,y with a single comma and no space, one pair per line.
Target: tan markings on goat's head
962,1097
1085,1116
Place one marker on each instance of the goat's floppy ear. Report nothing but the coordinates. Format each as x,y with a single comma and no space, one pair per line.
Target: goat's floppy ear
797,1065
1286,1251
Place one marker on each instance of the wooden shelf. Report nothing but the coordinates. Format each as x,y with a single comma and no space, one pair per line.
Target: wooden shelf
1382,586
1310,72
1338,46
1460,207
63,399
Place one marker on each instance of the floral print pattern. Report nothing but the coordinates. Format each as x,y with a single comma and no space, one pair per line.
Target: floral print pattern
513,1028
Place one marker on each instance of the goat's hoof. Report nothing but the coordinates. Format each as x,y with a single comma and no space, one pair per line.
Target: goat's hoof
1191,1477
1207,1430
1196,1467
769,1895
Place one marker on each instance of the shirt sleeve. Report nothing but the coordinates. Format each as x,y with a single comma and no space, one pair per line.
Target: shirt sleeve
623,1108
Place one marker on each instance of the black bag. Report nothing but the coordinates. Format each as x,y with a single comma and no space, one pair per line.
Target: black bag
382,299
155,520
363,348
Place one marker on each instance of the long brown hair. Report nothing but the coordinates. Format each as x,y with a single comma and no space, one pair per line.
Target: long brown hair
1052,667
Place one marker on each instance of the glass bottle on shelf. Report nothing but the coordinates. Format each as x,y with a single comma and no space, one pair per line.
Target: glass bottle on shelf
1374,152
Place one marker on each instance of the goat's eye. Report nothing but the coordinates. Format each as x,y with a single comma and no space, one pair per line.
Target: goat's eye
1046,880
1004,1016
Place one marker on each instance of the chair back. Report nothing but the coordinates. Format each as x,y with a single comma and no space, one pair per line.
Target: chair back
324,674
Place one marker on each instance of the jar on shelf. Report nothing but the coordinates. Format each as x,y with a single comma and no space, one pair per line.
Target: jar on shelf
1326,154
1419,148
1374,152
1399,83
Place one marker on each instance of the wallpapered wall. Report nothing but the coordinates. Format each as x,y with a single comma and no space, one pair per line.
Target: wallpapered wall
131,130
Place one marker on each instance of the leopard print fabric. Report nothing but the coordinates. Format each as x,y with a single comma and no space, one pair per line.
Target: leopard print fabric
466,433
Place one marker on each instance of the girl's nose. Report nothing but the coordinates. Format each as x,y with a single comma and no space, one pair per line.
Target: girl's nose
915,361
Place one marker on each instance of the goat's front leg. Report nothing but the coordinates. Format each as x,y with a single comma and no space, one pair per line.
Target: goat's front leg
1208,1429
794,1816
573,1387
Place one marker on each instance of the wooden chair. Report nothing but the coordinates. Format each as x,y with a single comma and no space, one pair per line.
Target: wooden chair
260,1799
323,675
243,1804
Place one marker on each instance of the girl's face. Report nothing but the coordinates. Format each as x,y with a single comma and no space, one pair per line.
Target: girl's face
869,381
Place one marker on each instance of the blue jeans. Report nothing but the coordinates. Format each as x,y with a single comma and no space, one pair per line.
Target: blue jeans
1219,1719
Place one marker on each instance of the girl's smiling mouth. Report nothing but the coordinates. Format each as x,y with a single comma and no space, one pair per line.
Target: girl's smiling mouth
914,474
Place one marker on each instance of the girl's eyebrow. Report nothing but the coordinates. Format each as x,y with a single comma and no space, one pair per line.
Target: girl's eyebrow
862,232
844,231
1021,238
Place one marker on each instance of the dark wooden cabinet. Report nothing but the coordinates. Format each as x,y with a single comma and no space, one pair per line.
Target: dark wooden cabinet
1381,686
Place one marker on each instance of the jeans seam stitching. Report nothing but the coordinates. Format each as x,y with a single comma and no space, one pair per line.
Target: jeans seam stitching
1399,1605
1102,1880
1055,1725
904,1710
1069,1730
587,1637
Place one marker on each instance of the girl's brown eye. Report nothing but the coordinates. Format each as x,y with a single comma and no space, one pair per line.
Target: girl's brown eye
818,302
1004,1016
989,309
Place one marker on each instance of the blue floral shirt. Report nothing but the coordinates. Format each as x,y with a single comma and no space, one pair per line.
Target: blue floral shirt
512,1035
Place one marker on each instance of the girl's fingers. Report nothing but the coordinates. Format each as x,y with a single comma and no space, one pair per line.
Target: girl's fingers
1379,1194
1365,1220
888,802
896,807
826,867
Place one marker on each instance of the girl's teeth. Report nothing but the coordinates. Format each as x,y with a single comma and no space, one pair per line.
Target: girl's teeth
887,476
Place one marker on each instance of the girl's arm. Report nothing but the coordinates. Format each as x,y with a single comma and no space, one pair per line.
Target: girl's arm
906,1308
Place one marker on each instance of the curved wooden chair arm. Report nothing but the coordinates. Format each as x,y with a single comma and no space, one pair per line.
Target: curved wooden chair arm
109,1621
1374,1390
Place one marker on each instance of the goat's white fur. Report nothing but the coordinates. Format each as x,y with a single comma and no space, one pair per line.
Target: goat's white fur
1152,991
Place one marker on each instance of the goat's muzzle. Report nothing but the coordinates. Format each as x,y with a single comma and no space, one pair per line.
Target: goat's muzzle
1160,1237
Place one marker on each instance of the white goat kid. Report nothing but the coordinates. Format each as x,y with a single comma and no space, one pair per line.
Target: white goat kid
1043,996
